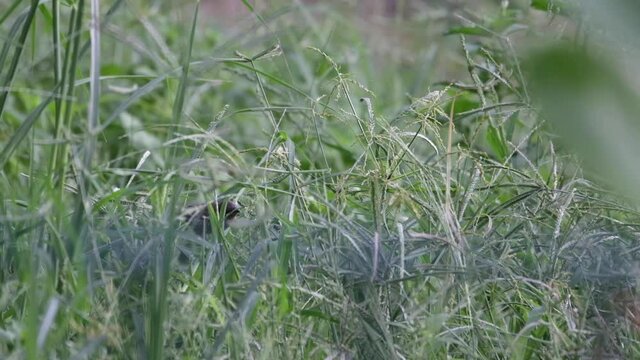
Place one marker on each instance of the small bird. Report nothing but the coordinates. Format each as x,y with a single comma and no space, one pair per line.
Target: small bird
198,216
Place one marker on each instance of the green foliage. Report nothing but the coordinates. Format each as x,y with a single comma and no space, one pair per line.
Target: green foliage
553,6
392,205
594,111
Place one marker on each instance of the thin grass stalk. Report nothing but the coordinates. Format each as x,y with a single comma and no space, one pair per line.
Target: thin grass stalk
6,48
9,11
83,209
23,130
158,306
59,150
78,224
13,66
59,154
58,76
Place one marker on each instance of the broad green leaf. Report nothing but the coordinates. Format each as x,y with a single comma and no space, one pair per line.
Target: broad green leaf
468,30
594,111
554,6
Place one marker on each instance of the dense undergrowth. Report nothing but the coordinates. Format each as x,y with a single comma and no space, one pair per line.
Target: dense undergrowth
388,211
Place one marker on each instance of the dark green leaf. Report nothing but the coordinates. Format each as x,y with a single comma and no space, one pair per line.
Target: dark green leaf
468,30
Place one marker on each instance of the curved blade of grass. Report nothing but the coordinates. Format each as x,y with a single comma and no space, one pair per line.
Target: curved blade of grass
7,44
24,129
8,79
9,11
158,306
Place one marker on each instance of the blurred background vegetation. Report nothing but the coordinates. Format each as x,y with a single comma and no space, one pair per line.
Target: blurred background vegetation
416,179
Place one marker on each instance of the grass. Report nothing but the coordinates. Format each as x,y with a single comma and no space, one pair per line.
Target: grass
391,208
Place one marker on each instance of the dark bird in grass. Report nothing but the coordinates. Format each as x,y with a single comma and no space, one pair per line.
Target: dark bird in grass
199,216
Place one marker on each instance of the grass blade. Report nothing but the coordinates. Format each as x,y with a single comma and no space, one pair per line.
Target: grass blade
11,71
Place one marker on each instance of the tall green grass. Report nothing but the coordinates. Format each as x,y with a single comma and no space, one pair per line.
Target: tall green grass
394,206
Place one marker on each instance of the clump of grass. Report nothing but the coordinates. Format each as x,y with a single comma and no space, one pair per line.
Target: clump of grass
448,224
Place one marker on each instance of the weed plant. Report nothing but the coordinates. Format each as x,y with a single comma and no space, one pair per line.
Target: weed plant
411,205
